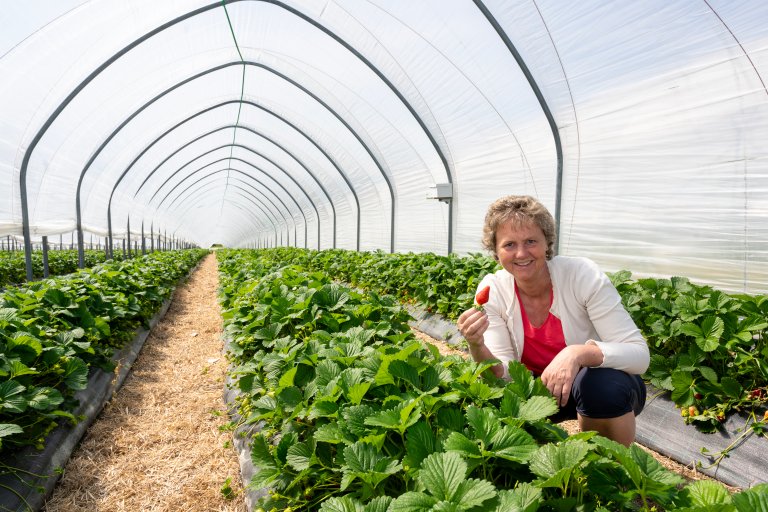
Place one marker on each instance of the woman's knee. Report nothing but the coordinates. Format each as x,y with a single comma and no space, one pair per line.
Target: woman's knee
607,393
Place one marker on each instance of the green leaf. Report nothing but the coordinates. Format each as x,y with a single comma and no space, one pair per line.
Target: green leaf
406,372
754,499
57,297
402,416
458,442
442,473
357,417
551,458
513,443
261,456
290,397
286,379
521,380
17,368
420,442
11,398
331,433
27,341
379,504
450,418
537,408
473,493
731,387
9,315
75,373
651,468
523,498
354,385
342,504
45,398
8,429
706,492
300,456
102,324
682,383
330,297
691,329
413,502
711,329
324,409
326,372
708,373
366,462
483,422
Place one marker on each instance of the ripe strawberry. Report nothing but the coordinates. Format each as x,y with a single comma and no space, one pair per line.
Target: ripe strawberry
482,297
756,394
698,396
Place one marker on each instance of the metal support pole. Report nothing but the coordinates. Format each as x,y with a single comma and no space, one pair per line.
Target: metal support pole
46,270
128,243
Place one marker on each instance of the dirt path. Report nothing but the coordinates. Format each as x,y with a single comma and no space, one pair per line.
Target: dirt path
158,444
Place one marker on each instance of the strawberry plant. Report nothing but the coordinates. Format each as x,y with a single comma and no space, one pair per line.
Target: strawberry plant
13,269
53,331
350,412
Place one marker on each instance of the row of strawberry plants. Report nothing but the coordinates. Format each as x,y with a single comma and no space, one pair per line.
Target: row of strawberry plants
13,270
53,331
709,349
350,413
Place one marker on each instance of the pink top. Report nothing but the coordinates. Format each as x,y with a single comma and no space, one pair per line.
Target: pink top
542,343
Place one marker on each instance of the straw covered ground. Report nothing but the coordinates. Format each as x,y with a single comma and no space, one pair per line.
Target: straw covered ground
157,445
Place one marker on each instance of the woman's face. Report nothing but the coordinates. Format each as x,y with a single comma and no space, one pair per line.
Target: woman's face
521,248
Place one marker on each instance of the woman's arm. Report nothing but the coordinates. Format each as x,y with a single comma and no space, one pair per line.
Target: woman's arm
619,339
486,332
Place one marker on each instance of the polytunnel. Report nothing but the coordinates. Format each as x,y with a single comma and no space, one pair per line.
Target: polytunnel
385,129
392,125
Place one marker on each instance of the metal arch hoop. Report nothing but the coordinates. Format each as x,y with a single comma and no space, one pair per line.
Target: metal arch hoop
36,139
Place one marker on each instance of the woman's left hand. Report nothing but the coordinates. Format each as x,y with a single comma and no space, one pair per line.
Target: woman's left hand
558,376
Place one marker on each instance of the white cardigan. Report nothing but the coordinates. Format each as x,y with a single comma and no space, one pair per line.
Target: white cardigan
588,306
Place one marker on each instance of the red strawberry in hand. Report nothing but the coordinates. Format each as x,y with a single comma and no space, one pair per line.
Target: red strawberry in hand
482,297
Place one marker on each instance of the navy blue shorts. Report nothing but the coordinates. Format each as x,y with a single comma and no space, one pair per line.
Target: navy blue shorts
603,393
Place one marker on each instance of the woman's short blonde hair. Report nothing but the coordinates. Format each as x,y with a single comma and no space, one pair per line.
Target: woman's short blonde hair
521,209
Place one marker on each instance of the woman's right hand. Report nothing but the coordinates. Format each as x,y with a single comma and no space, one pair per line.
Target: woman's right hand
472,324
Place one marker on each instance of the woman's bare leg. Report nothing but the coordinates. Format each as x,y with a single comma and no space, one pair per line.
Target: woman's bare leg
621,429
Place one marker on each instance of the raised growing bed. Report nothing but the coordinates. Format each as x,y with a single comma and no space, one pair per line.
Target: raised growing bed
661,428
39,470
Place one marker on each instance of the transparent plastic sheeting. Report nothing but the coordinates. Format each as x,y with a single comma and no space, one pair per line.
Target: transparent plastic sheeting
328,123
